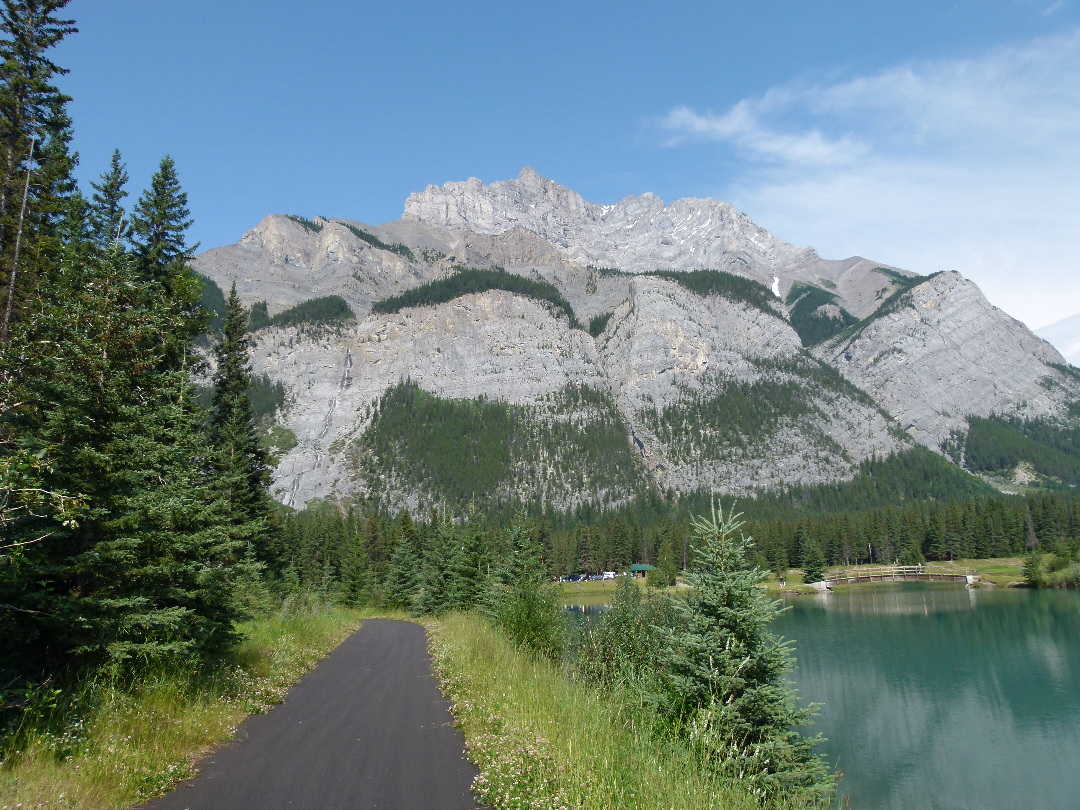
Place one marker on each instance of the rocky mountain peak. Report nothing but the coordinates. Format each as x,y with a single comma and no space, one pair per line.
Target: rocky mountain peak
635,234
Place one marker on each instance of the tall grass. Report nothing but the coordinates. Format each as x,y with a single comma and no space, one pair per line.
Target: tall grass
110,744
542,741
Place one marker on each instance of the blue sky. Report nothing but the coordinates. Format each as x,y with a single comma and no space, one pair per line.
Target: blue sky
929,135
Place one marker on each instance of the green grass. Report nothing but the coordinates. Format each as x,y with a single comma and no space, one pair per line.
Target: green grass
111,746
999,571
542,741
598,592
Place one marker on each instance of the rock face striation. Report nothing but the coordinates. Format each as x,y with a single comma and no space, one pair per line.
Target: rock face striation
943,353
703,378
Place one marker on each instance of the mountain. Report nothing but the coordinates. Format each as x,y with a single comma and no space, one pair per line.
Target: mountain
515,342
1064,335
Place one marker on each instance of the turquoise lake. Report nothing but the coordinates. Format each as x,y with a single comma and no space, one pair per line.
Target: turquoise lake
944,697
941,697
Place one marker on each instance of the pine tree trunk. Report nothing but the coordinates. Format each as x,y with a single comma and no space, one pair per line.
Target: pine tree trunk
5,331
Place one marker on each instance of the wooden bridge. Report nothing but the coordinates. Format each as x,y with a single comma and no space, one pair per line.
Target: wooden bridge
895,573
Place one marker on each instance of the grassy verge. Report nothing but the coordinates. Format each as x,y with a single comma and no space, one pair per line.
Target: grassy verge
111,746
542,741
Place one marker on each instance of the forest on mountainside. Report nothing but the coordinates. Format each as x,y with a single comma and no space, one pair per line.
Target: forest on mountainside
470,280
809,309
726,285
466,454
999,443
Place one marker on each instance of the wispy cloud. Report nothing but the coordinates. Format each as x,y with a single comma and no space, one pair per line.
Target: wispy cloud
742,125
966,164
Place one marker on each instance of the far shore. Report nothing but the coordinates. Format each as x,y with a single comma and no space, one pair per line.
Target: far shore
1000,571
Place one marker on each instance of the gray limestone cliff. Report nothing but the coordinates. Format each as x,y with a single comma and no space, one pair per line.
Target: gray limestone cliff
713,391
942,353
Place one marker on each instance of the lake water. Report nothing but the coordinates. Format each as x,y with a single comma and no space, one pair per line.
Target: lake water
944,697
941,697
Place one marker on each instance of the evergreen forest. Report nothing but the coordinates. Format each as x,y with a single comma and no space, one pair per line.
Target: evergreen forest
810,317
135,523
469,280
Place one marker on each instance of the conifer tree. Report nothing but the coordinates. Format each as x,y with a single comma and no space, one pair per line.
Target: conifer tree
403,578
159,223
357,580
666,565
243,471
106,211
724,672
35,163
375,544
436,570
520,600
158,236
145,570
470,570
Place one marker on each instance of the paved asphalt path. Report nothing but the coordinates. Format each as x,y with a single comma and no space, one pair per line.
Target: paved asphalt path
367,728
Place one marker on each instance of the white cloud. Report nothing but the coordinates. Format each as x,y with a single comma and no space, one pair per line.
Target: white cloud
741,126
971,165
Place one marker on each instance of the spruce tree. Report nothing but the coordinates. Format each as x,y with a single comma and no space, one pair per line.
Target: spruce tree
159,223
243,471
520,599
106,211
725,672
665,559
375,545
146,569
357,580
403,578
35,163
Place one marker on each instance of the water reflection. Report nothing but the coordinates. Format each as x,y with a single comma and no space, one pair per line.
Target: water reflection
939,696
945,697
897,599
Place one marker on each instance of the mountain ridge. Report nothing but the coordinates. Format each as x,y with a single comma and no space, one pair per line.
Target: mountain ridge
714,393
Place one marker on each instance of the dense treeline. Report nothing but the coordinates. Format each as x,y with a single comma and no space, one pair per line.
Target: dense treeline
728,417
598,324
393,247
324,310
740,415
468,280
133,522
372,555
305,223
